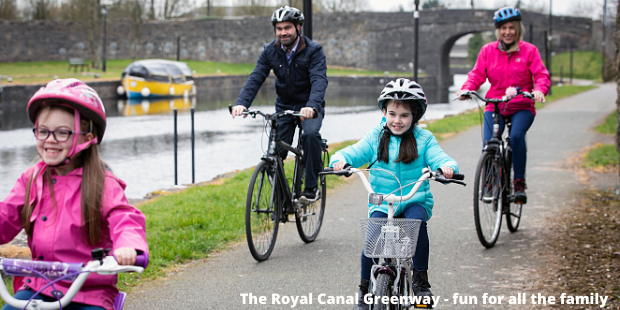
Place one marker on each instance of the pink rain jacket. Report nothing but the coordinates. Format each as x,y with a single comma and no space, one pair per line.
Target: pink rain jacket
57,235
522,68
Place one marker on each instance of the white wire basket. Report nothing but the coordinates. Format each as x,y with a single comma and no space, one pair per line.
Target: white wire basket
390,238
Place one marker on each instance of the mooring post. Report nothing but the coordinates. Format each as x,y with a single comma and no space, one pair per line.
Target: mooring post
193,166
175,148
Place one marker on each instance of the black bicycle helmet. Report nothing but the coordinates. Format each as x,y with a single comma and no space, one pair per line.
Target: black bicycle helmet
505,15
403,89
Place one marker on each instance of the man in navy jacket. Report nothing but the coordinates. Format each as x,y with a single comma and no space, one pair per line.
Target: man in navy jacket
300,69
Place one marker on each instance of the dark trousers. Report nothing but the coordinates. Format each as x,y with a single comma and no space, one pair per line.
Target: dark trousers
521,122
311,142
420,260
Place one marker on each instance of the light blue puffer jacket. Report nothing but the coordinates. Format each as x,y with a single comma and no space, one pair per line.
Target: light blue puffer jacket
430,155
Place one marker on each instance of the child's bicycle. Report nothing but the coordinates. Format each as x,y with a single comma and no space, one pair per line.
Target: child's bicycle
270,198
493,179
57,271
393,242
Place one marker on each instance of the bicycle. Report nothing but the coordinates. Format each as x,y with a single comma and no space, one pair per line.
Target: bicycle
271,199
53,272
393,241
493,179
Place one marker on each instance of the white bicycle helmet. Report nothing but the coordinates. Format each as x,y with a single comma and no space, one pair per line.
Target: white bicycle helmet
403,89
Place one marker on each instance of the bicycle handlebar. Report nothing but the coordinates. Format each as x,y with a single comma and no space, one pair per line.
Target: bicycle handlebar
390,198
253,113
495,100
55,271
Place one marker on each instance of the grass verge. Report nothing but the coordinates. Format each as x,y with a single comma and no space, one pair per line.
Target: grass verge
603,157
586,65
44,71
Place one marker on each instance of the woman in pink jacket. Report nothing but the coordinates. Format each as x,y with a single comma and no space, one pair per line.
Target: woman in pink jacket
510,62
69,203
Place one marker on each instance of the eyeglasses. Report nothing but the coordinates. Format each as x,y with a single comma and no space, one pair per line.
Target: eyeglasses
60,135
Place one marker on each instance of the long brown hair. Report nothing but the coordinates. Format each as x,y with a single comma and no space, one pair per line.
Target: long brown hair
408,151
92,185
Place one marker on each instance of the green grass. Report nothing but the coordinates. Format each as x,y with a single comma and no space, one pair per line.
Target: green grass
586,65
604,155
608,126
38,72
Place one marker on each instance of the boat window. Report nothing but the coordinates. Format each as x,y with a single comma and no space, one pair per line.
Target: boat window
159,78
139,71
178,80
189,78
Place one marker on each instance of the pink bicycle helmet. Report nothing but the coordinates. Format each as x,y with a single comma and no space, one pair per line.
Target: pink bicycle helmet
71,93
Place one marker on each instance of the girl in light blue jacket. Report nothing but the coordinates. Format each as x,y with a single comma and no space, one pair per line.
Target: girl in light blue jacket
398,145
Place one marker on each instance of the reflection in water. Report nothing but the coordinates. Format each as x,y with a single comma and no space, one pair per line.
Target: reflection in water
135,107
139,148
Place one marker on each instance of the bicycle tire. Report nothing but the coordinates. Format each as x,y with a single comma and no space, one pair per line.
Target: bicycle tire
487,215
309,218
512,210
383,288
262,212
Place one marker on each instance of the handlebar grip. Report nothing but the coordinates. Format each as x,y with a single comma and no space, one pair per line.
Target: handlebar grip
230,109
142,260
458,176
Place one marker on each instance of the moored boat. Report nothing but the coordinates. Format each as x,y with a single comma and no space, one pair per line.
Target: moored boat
151,78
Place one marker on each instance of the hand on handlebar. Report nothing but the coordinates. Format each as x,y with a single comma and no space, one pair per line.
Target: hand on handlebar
447,172
539,96
238,110
463,94
125,256
308,112
340,165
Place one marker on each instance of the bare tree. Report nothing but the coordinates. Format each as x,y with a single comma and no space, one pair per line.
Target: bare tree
138,13
42,9
253,7
345,5
8,9
175,8
87,13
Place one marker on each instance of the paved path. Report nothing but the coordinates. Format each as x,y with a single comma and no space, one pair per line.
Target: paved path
458,263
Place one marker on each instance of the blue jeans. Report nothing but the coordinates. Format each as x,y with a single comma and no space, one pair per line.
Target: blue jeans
521,122
420,260
26,294
311,142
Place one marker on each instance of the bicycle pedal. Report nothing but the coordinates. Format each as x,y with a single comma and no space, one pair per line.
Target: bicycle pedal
306,201
424,306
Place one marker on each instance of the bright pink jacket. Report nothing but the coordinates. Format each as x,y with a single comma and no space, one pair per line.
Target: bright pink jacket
522,68
57,235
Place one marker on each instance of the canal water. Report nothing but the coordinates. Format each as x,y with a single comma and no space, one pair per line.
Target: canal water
138,143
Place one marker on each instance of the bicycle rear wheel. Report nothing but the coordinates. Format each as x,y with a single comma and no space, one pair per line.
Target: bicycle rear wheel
262,212
512,209
487,214
384,285
309,217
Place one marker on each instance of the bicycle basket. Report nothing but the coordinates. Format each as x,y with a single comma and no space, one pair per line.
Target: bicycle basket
390,238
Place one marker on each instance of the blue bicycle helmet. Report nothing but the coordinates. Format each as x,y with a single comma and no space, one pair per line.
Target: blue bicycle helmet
505,15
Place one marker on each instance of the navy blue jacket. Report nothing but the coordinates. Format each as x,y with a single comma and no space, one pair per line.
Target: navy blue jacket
302,83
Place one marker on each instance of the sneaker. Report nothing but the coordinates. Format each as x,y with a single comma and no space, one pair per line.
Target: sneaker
309,194
520,196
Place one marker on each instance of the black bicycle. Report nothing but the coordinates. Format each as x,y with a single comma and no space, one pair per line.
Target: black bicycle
271,199
493,187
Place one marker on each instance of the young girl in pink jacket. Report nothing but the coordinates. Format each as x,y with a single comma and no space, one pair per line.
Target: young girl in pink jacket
510,62
69,203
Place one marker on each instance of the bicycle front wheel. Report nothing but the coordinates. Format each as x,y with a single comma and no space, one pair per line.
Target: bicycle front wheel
262,212
309,216
384,285
487,214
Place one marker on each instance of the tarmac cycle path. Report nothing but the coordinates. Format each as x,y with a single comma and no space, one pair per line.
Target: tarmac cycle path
325,273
